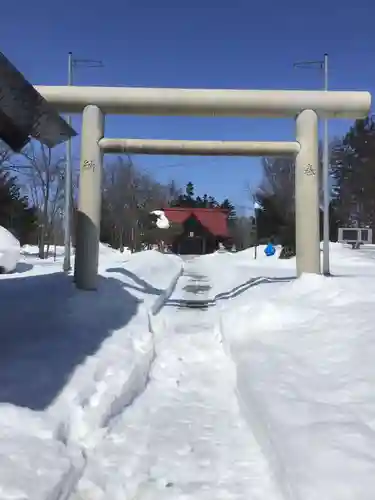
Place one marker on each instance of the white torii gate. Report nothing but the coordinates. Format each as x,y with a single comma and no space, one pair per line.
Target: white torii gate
304,106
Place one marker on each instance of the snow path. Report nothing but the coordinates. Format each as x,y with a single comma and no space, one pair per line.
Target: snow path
185,436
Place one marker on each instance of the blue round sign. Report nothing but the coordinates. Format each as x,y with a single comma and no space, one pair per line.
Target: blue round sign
270,250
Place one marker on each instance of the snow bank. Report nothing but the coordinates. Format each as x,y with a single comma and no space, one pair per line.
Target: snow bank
33,465
70,362
231,274
306,374
9,251
107,382
106,251
240,271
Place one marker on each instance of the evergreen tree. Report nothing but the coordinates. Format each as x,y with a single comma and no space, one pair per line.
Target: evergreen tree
270,222
187,199
212,203
227,205
353,171
15,213
189,191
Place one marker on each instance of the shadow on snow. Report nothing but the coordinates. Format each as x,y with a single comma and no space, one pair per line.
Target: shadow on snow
142,285
22,267
48,327
230,294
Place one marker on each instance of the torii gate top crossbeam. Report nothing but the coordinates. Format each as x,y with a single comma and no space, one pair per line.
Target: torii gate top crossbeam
207,102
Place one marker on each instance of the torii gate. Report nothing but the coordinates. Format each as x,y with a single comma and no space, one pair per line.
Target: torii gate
304,106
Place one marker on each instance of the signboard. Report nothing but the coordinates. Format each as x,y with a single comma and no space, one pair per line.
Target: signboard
24,113
349,234
355,235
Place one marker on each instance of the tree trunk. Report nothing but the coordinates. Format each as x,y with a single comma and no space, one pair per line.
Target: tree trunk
122,240
41,242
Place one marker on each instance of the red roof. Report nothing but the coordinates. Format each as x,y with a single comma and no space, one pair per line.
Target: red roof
213,219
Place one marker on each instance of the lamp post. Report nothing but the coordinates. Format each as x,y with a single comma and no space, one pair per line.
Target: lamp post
257,207
323,65
72,63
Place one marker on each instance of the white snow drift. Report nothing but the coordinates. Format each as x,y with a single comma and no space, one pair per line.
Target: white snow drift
9,251
162,221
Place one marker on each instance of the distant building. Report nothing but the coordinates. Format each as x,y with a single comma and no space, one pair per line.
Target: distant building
202,229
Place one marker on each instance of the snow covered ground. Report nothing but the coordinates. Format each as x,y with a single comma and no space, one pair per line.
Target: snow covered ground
232,381
69,361
306,376
185,436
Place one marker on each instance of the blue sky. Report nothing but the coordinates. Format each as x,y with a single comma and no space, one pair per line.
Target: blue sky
206,44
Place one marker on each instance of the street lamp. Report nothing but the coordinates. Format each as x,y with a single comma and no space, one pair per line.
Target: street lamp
72,63
323,65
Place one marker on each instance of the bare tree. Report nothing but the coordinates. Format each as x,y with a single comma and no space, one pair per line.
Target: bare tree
44,185
119,197
244,232
172,191
278,179
128,194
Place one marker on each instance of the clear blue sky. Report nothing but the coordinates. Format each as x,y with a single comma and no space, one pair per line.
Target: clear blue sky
199,43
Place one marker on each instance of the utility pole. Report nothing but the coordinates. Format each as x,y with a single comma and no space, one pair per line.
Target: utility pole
68,182
326,266
323,65
72,63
